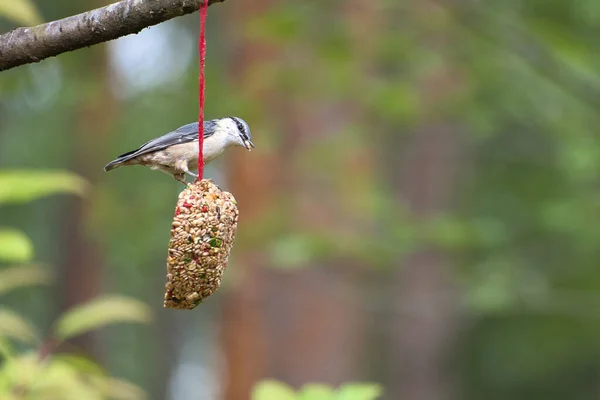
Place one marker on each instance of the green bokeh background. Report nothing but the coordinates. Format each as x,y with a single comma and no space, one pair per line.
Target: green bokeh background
425,170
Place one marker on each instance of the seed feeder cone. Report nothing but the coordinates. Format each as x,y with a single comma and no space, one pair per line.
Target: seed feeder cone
202,235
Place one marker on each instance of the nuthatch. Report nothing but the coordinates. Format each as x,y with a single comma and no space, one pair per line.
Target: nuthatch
177,152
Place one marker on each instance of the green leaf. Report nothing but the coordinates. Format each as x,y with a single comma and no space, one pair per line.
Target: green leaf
54,379
120,390
360,391
313,391
65,377
99,313
15,246
215,242
6,350
22,276
14,327
273,390
20,186
80,363
21,11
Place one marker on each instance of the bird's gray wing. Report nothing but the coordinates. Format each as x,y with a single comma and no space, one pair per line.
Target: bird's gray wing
185,134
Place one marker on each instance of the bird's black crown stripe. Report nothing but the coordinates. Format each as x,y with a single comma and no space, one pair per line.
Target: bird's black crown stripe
240,127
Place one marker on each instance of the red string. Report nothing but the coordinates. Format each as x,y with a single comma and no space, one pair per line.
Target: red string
201,84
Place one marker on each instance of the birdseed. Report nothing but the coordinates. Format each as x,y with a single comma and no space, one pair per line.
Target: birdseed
202,235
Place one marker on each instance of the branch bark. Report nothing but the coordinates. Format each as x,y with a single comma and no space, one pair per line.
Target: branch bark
29,45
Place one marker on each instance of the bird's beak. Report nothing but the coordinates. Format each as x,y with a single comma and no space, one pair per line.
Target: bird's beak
249,145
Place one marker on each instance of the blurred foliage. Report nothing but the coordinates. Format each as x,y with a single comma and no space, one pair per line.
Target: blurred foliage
21,11
100,312
27,376
34,372
12,326
19,186
12,278
274,390
522,233
14,246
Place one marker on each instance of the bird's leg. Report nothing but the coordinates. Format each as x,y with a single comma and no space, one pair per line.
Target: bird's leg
183,166
190,173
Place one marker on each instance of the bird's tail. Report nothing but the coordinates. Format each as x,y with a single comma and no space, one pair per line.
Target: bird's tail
112,165
124,159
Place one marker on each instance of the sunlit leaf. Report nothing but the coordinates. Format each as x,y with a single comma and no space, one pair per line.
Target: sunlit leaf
20,370
23,185
15,246
22,276
120,390
6,349
360,391
67,377
80,363
14,327
99,313
61,380
313,391
22,12
273,390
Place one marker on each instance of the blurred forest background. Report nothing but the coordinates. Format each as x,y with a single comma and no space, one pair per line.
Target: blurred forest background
421,210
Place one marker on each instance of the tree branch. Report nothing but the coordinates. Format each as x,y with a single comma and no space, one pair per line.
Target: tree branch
29,45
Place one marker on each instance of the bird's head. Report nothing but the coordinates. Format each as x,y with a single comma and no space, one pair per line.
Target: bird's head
238,132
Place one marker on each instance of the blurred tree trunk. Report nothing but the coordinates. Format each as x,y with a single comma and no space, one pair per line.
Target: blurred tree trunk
82,267
297,326
426,313
244,333
426,303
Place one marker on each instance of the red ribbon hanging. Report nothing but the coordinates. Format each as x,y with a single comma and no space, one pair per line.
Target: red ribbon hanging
201,84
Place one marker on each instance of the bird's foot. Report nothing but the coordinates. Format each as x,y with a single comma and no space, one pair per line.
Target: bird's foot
181,178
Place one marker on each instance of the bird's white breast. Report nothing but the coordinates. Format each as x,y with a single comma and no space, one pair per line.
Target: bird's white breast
213,147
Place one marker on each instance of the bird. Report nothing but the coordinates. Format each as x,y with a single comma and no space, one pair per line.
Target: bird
176,152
